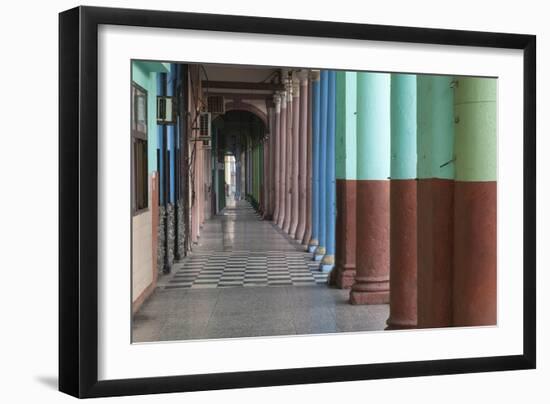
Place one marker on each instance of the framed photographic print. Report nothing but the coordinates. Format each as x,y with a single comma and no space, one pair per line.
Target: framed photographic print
250,201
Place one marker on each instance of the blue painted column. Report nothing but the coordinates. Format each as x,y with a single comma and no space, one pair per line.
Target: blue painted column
321,248
330,178
315,135
160,141
171,135
161,254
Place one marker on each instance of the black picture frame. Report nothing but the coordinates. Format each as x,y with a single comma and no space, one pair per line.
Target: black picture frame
78,201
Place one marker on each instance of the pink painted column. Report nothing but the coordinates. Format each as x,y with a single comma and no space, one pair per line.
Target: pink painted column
302,157
288,172
201,187
277,159
295,187
268,156
194,209
283,161
309,177
272,146
265,160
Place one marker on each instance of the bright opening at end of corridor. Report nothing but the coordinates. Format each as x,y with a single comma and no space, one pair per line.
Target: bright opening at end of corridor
272,201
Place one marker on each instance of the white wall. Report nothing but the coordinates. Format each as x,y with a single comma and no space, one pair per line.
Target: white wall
142,254
29,295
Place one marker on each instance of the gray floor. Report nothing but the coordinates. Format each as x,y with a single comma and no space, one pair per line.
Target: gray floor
199,308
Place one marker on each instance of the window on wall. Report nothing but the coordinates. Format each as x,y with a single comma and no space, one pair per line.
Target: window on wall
139,149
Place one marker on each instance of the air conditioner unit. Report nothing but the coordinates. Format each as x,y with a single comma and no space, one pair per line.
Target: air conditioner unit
216,104
205,128
205,124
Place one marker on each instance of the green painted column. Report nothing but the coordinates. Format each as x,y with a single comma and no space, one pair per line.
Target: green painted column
475,202
403,212
435,192
343,275
261,171
373,170
257,161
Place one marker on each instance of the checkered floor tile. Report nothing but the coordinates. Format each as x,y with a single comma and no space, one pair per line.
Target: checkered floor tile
247,268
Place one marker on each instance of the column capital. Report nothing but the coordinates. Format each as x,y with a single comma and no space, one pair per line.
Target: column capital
277,102
303,75
315,75
289,90
283,95
296,87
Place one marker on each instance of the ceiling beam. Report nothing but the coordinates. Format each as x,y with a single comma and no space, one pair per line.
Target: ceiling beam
242,85
242,95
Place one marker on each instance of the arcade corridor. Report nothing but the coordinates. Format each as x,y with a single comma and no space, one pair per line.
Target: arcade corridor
238,248
247,278
280,201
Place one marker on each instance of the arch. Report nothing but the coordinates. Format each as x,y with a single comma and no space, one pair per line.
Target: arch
243,106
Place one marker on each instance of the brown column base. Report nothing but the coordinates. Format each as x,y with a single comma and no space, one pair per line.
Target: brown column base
399,326
342,278
403,254
435,223
372,284
369,297
475,258
343,275
369,290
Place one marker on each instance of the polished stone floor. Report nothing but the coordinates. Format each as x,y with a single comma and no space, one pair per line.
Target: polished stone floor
246,278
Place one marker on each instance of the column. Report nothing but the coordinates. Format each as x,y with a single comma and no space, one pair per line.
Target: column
289,162
268,158
435,189
403,255
265,167
276,160
321,248
171,176
295,188
161,150
302,156
315,135
309,176
373,191
327,262
475,203
283,161
346,180
262,178
237,170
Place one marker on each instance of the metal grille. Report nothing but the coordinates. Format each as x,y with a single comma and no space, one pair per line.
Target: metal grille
216,104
